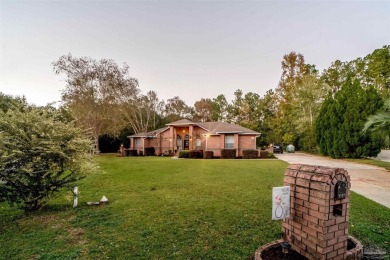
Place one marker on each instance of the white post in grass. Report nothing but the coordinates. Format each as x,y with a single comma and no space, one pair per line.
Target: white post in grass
75,198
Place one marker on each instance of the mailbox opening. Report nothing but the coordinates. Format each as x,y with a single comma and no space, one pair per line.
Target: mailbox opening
338,210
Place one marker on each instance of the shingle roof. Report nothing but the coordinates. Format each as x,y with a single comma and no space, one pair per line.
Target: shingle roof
211,127
151,133
182,122
223,128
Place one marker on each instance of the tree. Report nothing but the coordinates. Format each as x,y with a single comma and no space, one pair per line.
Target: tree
95,91
235,114
7,102
380,123
294,69
372,70
176,109
141,111
267,110
305,107
203,110
250,110
39,155
220,108
341,119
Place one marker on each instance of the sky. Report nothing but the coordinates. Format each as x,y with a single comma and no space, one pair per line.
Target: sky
190,49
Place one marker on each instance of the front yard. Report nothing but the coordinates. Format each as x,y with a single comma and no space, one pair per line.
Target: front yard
166,208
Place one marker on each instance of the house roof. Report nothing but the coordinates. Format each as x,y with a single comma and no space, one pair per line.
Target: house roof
182,122
214,128
225,128
151,133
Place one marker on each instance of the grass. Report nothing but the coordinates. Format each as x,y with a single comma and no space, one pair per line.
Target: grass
378,163
168,209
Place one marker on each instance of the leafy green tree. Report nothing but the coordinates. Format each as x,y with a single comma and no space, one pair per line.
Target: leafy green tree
203,110
176,109
7,101
294,69
39,155
341,119
95,91
372,70
306,103
220,108
267,111
234,109
380,123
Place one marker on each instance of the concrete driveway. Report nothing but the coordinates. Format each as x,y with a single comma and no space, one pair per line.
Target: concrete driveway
370,181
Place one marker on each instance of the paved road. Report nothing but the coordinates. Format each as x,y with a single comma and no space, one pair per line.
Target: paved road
370,181
383,156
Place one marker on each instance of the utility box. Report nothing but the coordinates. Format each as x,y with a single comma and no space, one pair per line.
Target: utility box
318,223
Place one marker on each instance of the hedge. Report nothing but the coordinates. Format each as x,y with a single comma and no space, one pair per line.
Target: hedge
150,151
266,154
208,154
184,154
133,153
196,154
250,154
228,153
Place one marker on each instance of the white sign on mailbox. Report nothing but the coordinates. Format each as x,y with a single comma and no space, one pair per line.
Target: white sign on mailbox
280,202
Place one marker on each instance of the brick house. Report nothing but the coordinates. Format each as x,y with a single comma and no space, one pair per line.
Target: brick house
187,135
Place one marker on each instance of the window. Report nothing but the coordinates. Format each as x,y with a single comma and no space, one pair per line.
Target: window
137,141
198,144
229,141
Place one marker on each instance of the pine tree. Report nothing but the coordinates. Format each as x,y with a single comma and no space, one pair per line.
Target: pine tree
341,119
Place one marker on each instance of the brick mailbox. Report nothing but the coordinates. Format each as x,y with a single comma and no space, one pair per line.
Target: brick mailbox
318,224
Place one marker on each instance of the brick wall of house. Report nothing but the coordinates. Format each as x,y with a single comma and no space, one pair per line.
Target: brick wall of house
167,140
246,142
215,144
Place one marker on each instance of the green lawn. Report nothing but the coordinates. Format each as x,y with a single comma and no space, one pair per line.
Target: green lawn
167,209
378,163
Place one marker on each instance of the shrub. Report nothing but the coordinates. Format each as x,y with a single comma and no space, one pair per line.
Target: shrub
250,154
208,154
264,154
196,154
141,153
184,154
228,153
150,151
133,152
40,154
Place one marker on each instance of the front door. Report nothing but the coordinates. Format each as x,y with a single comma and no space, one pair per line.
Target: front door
179,143
186,142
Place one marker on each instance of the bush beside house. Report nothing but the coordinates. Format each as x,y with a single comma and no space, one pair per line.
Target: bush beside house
208,155
150,151
228,153
250,154
184,154
196,154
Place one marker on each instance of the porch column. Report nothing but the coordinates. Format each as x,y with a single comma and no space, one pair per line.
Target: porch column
236,144
174,140
171,139
131,143
191,128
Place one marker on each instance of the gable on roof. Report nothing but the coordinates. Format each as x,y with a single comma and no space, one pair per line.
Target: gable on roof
225,128
182,122
150,134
